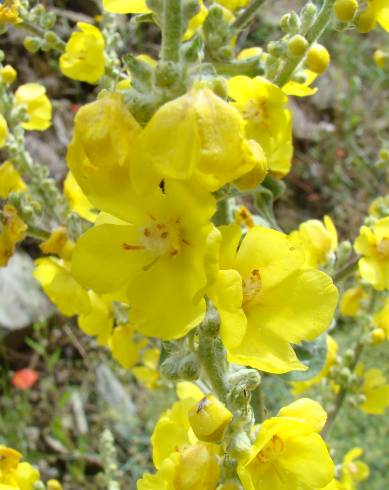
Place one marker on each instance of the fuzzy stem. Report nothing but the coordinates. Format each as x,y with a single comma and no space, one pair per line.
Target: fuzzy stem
313,34
247,15
171,30
347,270
211,355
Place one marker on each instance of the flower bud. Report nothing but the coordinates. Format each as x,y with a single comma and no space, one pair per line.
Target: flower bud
32,44
345,9
377,336
8,74
308,14
189,367
383,154
297,45
54,485
366,21
294,23
230,485
318,59
209,419
381,59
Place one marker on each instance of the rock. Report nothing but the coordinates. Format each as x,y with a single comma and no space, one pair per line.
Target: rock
21,300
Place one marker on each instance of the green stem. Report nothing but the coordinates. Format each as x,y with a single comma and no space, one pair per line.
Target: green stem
222,215
250,67
212,355
347,270
313,34
258,404
37,233
244,19
171,30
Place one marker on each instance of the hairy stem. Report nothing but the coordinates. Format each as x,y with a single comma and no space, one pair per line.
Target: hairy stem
171,30
347,270
258,404
313,34
212,355
244,19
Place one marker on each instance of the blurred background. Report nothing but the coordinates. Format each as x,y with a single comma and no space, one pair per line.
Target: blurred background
56,416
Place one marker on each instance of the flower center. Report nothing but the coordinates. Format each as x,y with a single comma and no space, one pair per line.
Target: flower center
161,238
272,450
383,248
256,111
251,287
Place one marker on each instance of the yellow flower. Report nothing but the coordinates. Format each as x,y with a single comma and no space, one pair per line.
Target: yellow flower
319,239
148,374
38,106
299,387
351,301
14,474
12,231
98,319
125,348
10,180
268,300
208,139
195,468
376,11
84,55
209,419
161,255
78,200
373,245
303,89
173,432
58,243
9,12
126,6
288,451
61,287
269,122
3,131
233,4
381,319
100,152
353,472
196,21
374,389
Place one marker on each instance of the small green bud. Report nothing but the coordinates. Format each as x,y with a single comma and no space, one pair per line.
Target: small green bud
219,87
294,23
297,45
284,23
51,37
32,44
48,20
308,15
191,8
189,367
277,48
169,368
344,375
240,445
384,154
349,356
166,73
344,251
300,77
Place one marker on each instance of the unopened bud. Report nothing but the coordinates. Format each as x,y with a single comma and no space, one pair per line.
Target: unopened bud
345,10
294,23
366,21
8,74
297,45
209,419
32,44
318,59
308,14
